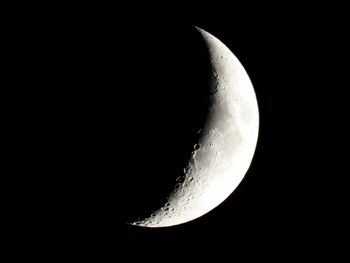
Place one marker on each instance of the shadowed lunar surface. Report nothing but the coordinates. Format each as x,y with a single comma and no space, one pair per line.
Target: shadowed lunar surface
140,106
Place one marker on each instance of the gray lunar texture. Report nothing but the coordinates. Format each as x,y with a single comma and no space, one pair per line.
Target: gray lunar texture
225,150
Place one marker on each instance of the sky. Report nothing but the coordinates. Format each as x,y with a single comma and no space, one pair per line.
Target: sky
98,82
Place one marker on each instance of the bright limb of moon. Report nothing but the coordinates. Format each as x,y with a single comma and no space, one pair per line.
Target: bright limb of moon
226,146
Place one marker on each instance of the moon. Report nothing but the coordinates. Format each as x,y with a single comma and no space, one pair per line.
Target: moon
225,149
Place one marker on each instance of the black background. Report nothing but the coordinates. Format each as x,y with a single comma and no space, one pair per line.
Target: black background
103,109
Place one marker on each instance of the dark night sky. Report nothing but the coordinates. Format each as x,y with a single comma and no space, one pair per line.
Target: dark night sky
127,128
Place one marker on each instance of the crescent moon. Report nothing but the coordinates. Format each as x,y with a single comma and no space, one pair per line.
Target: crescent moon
225,150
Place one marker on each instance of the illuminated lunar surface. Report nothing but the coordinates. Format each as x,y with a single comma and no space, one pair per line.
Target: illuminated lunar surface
225,149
